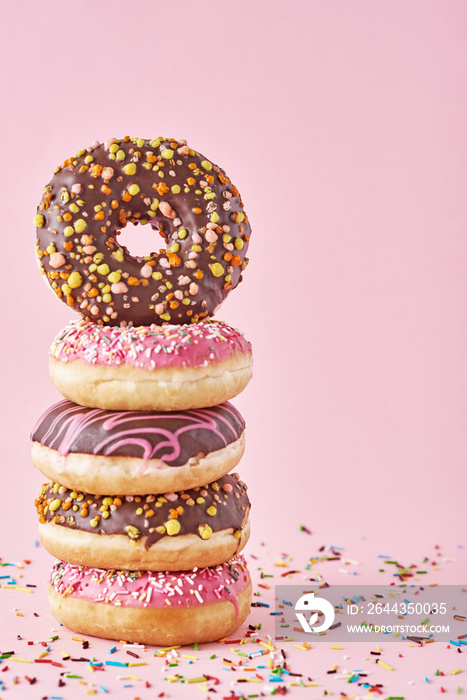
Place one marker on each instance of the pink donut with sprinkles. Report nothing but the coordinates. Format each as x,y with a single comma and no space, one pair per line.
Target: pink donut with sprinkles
188,199
182,607
162,368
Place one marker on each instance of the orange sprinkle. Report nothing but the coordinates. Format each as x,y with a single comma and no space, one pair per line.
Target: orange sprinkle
174,259
96,170
161,188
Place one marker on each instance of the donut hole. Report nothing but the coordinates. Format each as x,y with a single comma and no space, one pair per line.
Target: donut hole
140,240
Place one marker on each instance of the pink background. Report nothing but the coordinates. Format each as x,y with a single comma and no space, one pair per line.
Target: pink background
344,126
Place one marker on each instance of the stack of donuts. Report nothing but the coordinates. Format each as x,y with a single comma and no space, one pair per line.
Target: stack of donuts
141,509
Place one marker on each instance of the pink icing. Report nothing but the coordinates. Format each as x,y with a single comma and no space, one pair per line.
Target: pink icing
149,347
149,589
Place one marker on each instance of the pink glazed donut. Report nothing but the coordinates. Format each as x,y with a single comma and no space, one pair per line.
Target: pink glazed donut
144,368
182,607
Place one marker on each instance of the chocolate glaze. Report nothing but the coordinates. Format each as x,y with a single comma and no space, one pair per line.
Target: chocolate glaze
181,194
225,498
173,438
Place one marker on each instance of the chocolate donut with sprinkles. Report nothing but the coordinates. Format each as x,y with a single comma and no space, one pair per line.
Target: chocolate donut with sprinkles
136,452
144,368
165,608
167,532
163,182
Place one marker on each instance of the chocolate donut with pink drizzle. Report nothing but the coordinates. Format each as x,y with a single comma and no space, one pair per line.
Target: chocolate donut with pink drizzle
183,607
136,452
163,368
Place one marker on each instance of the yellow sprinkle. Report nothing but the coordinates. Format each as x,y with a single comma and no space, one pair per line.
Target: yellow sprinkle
75,280
55,505
298,646
334,646
15,658
167,153
205,531
238,243
129,168
39,220
214,217
172,527
138,663
175,189
103,269
120,155
133,189
216,269
18,588
455,671
191,658
42,654
80,225
386,666
118,255
206,165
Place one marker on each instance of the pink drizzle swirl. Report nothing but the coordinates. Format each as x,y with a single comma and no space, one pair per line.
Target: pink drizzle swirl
173,438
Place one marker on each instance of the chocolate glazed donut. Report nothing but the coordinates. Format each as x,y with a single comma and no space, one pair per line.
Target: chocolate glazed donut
136,452
204,526
163,182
